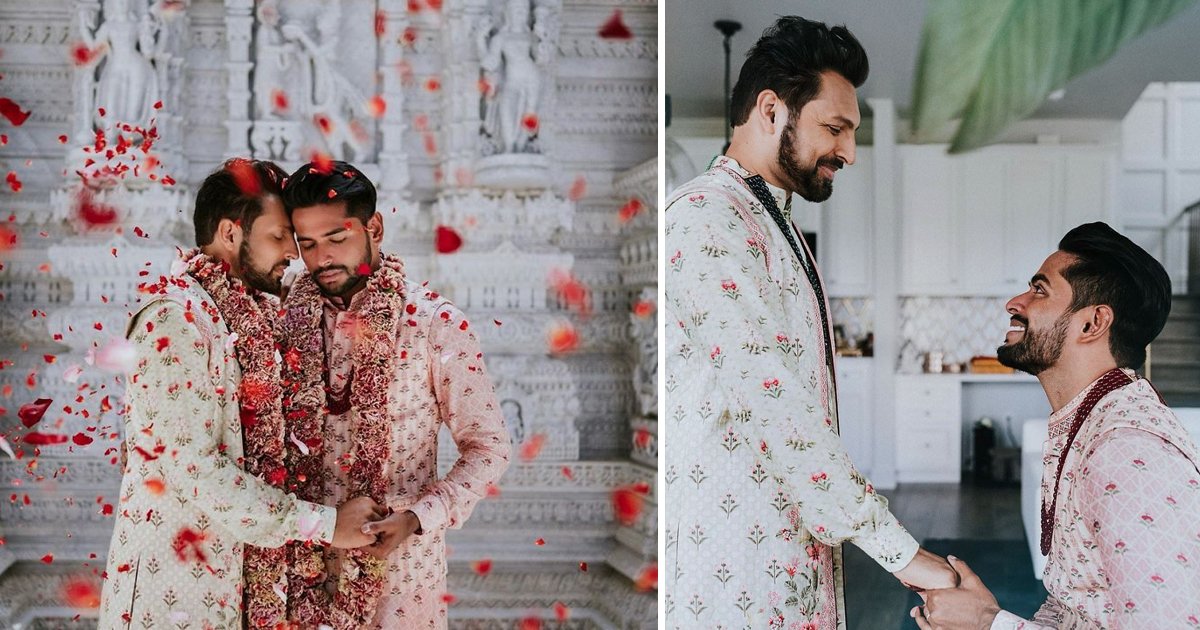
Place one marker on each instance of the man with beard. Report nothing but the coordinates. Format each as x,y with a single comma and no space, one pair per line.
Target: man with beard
378,364
761,492
1120,484
193,494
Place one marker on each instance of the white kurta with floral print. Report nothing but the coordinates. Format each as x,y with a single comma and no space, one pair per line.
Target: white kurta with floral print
760,490
1126,540
187,506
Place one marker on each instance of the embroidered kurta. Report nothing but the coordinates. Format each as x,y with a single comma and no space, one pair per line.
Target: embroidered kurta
186,506
1126,540
760,490
440,380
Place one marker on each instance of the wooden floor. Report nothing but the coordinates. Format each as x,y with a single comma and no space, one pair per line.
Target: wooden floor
874,599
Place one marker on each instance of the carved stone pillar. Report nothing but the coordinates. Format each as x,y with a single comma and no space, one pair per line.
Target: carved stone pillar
239,27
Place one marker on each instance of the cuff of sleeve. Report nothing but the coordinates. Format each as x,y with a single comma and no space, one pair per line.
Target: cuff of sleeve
431,514
888,543
1006,621
315,522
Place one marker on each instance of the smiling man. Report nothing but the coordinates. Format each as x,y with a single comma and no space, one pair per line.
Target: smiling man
1120,484
760,490
377,364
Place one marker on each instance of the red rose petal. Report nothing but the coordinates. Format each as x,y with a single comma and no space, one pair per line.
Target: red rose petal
532,447
322,163
81,439
561,612
446,240
364,269
279,100
615,28
568,473
631,209
324,123
43,439
31,413
583,567
530,123
380,23
578,188
10,110
48,558
245,177
644,308
13,181
627,504
562,338
376,106
647,579
482,567
155,486
641,438
81,593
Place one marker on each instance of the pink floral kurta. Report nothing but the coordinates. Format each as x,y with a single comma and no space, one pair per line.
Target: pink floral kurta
183,438
760,491
1126,550
440,379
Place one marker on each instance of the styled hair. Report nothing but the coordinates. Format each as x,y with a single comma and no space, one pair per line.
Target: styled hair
1110,269
314,184
235,192
789,59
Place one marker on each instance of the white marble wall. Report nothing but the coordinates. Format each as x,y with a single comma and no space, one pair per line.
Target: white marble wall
597,123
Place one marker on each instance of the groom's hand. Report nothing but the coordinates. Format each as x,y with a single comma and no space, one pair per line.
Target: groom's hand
926,571
348,532
391,531
970,606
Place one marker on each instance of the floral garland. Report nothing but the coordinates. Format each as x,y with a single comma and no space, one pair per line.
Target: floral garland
261,413
362,577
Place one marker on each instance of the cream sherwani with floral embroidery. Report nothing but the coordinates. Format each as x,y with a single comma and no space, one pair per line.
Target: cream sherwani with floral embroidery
183,438
1125,550
760,491
440,380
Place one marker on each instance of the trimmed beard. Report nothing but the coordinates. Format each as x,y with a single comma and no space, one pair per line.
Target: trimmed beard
352,283
1037,350
807,183
254,277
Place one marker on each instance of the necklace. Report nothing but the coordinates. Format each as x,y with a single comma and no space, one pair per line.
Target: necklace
1111,380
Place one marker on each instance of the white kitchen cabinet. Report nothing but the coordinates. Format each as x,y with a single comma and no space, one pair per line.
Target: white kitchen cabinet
928,429
855,420
845,245
980,224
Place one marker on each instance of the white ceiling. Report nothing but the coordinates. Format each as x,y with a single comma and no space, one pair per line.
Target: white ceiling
890,31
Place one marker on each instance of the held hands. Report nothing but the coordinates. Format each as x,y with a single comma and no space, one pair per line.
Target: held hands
927,571
351,518
969,606
391,531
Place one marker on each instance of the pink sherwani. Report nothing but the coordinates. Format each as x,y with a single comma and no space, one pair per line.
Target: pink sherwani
1126,550
440,379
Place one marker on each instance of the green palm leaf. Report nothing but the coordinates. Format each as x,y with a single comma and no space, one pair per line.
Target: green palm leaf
994,61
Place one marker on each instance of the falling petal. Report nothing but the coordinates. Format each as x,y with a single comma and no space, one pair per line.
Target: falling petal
81,593
279,100
562,338
482,567
573,292
31,413
532,447
561,612
631,209
44,439
447,240
245,177
578,188
615,28
376,106
13,181
647,579
155,486
530,123
10,110
81,439
627,504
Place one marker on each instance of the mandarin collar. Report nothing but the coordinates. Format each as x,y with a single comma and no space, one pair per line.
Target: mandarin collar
783,199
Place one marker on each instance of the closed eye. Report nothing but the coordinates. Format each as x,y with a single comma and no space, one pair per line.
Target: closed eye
834,129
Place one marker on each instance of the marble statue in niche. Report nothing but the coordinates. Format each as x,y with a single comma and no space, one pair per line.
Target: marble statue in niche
514,419
643,332
296,78
513,57
126,81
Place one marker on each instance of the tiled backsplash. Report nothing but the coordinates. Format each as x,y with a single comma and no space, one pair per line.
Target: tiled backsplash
960,327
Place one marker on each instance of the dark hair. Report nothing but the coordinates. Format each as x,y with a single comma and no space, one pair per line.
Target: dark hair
789,59
314,184
235,192
1111,269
